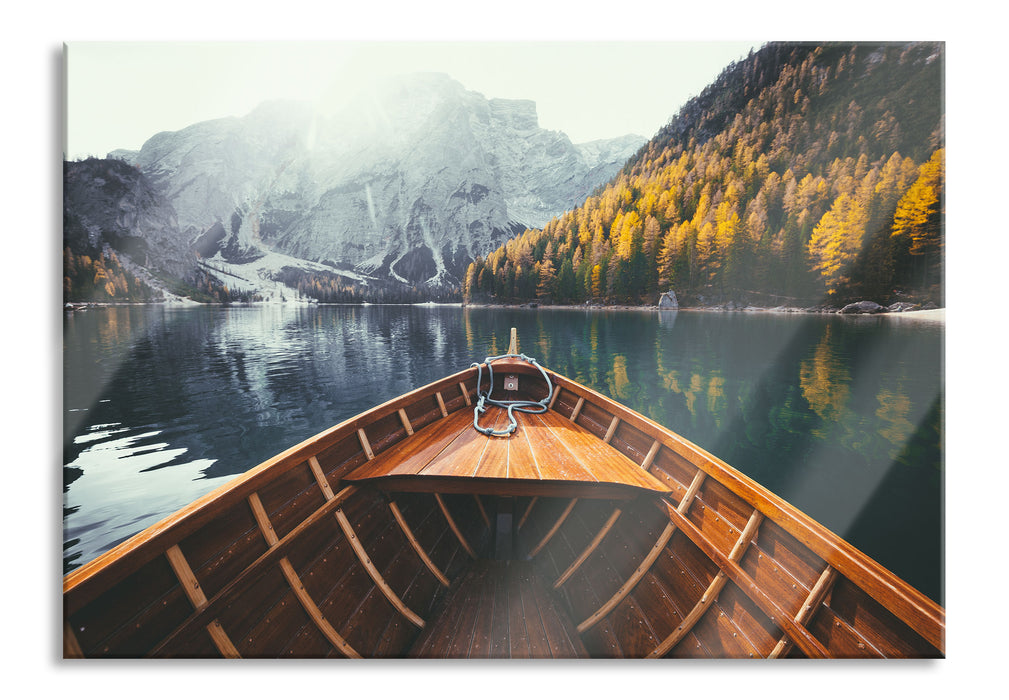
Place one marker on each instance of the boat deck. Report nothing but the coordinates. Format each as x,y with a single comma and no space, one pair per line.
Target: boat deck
501,609
547,455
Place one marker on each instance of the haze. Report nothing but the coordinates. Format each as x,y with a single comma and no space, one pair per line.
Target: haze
119,94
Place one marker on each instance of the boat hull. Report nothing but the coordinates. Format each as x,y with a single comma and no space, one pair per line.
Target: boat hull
404,533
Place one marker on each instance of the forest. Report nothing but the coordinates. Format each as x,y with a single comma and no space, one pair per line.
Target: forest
804,175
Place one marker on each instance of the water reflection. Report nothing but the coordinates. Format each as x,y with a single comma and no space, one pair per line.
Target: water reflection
842,417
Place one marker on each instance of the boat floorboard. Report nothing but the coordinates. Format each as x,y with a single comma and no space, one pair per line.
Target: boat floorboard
547,453
500,609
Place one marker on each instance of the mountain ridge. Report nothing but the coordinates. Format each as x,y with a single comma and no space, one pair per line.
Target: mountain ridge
406,184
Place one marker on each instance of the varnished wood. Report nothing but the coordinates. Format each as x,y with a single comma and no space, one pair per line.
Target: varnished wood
653,450
819,592
483,512
320,477
918,611
412,539
611,429
576,452
631,582
85,583
577,409
405,421
313,611
71,647
798,634
711,593
375,574
195,594
250,574
513,342
589,548
365,445
545,455
556,526
454,527
528,511
294,581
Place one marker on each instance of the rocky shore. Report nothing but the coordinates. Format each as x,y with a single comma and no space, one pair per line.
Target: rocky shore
856,308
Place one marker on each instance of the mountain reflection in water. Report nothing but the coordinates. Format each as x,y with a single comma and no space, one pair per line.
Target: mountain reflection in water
841,416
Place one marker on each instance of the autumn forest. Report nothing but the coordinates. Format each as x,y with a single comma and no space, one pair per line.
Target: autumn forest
804,175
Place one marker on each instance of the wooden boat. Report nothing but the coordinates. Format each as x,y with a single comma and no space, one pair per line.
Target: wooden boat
588,531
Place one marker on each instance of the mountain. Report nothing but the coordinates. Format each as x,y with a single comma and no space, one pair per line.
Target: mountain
804,175
403,187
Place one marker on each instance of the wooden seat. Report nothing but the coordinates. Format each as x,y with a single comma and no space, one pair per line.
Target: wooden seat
547,455
500,609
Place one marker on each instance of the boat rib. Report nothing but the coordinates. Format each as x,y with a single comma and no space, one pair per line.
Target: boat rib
205,581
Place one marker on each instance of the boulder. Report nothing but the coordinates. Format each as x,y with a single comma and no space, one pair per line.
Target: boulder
667,300
862,307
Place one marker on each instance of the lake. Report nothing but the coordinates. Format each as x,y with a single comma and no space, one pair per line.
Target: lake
842,416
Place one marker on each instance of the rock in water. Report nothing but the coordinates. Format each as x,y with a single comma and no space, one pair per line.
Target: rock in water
667,300
862,307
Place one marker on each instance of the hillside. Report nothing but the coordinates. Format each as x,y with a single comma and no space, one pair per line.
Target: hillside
804,175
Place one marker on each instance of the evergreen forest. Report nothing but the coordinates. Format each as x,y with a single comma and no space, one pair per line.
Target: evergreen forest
804,175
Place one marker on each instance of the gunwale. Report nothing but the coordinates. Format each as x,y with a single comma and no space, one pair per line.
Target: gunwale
915,609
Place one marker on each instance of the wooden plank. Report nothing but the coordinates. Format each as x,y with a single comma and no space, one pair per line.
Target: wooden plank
376,576
85,583
711,593
578,409
251,573
631,582
917,611
556,526
413,455
528,511
800,635
187,579
263,520
405,421
465,394
483,513
320,477
441,405
453,526
495,460
313,611
462,456
365,445
652,451
816,596
612,429
416,545
589,548
513,343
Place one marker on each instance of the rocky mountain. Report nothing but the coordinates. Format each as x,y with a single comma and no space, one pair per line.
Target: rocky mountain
407,183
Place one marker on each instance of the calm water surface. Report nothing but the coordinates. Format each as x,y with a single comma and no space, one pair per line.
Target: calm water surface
841,416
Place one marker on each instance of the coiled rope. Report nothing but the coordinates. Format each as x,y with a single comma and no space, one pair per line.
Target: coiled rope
511,406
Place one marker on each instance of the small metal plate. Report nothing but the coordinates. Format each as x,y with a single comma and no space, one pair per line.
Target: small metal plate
511,383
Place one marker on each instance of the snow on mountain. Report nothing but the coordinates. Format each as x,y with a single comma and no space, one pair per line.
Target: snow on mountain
408,181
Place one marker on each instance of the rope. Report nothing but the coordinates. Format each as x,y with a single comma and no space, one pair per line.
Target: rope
511,406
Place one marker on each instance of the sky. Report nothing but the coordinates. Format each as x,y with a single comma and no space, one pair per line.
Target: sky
119,94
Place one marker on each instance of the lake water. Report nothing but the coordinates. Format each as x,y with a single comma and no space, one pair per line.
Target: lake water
841,416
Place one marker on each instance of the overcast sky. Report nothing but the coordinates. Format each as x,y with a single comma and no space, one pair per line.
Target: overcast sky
120,94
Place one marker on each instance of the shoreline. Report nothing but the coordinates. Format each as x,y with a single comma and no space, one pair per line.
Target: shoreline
937,314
